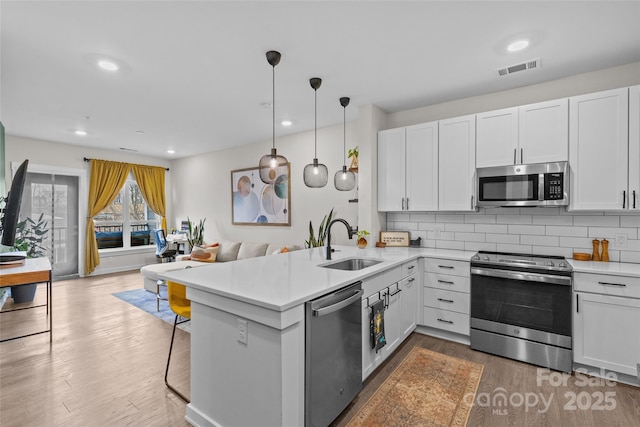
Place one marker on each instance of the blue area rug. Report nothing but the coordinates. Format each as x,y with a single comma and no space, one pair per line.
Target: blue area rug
146,301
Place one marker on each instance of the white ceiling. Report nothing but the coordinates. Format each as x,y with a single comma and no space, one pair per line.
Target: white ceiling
194,73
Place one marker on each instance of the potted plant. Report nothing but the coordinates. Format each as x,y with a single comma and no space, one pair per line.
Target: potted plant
314,241
29,237
195,234
362,238
353,155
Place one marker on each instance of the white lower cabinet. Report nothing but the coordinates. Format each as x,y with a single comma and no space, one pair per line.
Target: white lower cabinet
606,325
400,295
446,299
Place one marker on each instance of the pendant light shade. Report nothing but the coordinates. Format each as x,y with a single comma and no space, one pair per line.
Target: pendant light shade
273,165
316,174
344,179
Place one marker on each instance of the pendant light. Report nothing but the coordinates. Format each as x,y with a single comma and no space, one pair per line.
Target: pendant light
273,165
344,179
316,174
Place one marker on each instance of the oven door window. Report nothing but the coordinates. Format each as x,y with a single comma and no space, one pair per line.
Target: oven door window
539,306
509,188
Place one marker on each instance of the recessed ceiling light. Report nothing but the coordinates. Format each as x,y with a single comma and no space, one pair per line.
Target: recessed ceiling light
108,65
80,132
286,123
171,151
266,105
518,45
140,132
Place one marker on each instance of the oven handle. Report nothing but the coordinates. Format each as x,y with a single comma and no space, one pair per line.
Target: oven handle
528,277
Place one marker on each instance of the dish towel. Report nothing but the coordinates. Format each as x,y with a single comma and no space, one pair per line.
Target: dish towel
377,326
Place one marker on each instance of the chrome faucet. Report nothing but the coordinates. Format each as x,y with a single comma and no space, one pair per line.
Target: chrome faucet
349,230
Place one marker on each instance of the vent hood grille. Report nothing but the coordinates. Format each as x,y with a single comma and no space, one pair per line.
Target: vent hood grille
527,65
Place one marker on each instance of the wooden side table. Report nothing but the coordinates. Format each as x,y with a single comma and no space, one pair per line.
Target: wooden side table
34,270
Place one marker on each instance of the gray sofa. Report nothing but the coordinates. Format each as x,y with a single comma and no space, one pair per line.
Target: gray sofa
227,251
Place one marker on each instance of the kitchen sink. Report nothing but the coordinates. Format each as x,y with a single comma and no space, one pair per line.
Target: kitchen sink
351,264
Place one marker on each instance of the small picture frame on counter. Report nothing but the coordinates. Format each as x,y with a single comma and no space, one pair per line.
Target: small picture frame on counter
395,238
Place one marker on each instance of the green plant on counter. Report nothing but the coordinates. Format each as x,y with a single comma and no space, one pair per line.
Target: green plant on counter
195,234
314,241
362,234
29,236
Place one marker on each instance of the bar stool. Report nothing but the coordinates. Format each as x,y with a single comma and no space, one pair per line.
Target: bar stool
181,306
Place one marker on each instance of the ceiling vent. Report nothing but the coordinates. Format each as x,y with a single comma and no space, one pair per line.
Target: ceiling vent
527,65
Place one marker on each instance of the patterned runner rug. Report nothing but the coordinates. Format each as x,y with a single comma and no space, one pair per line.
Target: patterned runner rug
146,301
426,389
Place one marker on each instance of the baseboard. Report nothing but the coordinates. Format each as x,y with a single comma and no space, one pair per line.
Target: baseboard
446,335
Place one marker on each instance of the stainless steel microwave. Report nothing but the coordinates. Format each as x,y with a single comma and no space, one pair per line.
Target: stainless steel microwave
540,184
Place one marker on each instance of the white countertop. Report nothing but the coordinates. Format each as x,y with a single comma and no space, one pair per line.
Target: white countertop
613,268
280,282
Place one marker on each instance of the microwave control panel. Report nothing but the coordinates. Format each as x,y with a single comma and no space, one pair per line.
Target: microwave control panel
553,186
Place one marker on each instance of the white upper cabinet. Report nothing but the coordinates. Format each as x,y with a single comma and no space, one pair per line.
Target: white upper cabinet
408,168
457,159
544,132
599,151
634,148
535,133
497,138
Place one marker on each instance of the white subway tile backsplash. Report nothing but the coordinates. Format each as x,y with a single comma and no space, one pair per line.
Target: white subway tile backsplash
479,246
469,228
470,237
522,249
539,240
514,219
609,233
552,220
527,229
630,221
449,218
513,239
567,231
549,231
597,221
491,228
447,244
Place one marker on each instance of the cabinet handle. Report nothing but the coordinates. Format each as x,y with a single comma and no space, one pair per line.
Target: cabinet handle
522,155
396,292
403,203
622,285
450,301
515,150
634,199
410,267
472,207
407,203
411,280
577,304
445,266
445,282
445,321
624,199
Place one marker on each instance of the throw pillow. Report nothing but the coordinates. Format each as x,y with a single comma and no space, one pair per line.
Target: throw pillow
204,254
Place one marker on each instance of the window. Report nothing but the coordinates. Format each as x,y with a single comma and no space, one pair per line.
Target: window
128,221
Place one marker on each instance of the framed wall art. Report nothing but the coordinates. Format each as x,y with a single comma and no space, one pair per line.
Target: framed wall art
255,203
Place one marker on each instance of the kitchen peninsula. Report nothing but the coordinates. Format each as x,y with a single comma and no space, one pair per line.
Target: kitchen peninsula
262,382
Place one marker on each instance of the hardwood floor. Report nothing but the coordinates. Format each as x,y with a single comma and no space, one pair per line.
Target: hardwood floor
106,368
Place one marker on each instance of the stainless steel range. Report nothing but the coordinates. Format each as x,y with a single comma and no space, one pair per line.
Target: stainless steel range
521,308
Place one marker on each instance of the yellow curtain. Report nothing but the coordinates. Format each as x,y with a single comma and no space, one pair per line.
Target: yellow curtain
106,180
150,179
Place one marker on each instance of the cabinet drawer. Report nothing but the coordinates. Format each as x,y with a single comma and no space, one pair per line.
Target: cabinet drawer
446,320
447,266
447,282
446,300
623,286
408,268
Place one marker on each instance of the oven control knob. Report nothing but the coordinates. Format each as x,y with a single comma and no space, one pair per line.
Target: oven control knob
563,264
550,264
475,258
486,258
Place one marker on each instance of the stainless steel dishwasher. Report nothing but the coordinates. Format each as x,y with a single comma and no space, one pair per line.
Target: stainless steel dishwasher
333,354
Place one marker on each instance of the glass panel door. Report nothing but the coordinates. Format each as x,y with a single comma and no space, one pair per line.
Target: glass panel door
56,198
